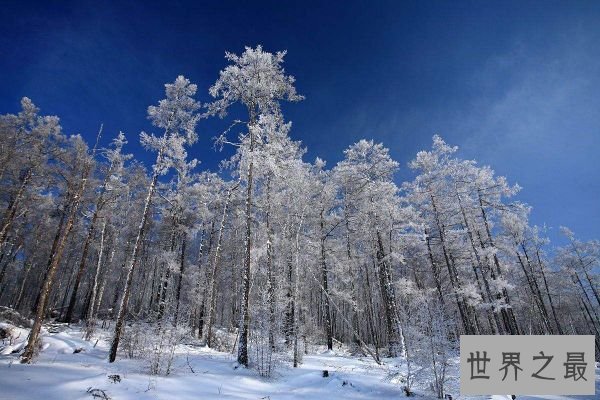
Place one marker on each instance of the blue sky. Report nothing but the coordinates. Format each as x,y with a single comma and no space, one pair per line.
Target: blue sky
515,84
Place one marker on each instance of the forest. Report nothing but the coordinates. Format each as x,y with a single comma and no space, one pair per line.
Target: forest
272,253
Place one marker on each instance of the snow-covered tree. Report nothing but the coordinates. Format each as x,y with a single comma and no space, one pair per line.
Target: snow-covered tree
255,79
177,115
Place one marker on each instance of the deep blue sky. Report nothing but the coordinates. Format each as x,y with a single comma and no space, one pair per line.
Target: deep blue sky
515,84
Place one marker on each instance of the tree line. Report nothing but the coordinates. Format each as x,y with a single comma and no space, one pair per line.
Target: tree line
281,251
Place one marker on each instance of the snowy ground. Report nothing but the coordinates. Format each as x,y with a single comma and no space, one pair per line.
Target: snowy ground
198,373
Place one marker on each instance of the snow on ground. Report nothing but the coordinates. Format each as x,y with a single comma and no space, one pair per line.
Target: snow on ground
198,373
59,373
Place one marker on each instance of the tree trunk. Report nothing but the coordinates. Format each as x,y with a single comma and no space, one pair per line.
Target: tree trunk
288,322
556,320
90,319
52,252
583,268
11,211
369,300
295,295
498,325
351,274
181,272
508,313
453,275
396,347
213,276
270,274
576,279
202,309
129,279
79,275
162,298
535,290
47,285
242,356
327,312
435,268
17,302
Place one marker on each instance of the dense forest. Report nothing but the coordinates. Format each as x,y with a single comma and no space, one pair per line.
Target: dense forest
272,249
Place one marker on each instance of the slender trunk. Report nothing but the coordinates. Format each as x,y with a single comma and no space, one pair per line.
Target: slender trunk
534,288
52,252
99,298
556,320
196,294
47,285
162,298
452,273
65,292
508,311
576,279
17,302
395,342
242,356
290,306
498,325
592,329
540,300
115,299
592,286
295,296
90,322
341,314
327,312
155,282
351,274
12,254
180,280
129,278
270,274
368,295
88,240
584,269
146,278
11,211
56,258
435,268
213,275
202,310
79,275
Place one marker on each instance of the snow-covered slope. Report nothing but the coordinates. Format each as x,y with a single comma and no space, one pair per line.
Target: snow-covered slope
198,373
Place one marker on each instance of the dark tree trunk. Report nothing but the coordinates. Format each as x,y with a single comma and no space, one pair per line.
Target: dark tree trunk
242,356
180,280
535,290
47,285
552,307
214,272
497,328
270,274
325,283
11,211
127,289
508,312
389,299
453,275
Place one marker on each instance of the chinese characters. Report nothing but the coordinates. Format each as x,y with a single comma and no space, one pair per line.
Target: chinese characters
575,365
